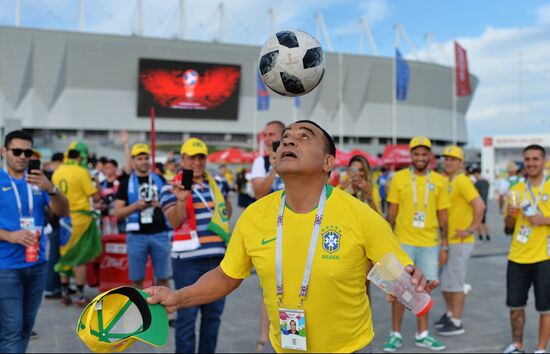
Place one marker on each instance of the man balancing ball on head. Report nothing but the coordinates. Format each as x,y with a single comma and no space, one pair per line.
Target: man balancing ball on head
310,245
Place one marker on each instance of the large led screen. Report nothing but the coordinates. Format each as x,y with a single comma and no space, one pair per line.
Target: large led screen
182,89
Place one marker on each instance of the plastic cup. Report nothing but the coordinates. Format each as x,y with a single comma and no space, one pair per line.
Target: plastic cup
390,276
514,198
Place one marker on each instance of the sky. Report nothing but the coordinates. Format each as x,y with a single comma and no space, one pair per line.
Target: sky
508,42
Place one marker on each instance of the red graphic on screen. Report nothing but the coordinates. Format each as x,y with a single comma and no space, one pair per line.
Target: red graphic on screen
170,88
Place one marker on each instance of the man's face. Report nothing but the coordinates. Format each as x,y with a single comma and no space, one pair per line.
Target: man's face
534,162
420,157
197,163
17,163
452,165
110,170
99,166
142,163
272,132
303,151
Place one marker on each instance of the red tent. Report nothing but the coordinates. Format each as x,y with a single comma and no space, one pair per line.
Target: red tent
373,160
342,157
396,155
231,155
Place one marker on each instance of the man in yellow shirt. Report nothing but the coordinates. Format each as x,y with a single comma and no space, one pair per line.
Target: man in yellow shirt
79,235
320,277
418,200
529,257
465,215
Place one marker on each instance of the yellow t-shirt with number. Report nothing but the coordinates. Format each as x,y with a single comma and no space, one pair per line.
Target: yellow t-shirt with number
536,248
76,184
337,309
461,213
401,193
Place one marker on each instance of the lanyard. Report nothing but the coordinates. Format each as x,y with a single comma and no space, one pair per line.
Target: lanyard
415,199
310,252
535,200
18,198
199,195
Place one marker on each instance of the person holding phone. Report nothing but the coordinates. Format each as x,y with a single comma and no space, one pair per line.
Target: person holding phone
263,176
138,201
24,197
198,210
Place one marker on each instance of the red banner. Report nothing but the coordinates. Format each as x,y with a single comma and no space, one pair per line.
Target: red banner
463,87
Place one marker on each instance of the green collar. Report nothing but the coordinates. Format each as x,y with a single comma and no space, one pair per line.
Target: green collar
329,193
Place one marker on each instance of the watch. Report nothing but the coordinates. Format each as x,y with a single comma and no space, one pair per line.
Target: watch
54,191
444,248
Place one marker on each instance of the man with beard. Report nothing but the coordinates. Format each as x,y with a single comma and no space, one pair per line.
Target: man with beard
418,200
138,202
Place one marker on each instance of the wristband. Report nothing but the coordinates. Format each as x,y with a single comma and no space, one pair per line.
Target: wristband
444,248
54,191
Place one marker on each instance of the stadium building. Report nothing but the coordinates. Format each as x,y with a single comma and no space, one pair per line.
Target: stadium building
65,85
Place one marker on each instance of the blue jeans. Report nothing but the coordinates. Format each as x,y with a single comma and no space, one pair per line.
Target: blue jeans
20,297
53,283
140,246
425,258
187,272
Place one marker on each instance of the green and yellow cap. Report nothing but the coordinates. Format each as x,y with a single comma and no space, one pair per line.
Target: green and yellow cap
454,151
115,319
193,147
82,149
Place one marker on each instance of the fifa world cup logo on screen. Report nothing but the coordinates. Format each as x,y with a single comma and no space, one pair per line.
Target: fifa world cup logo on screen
190,81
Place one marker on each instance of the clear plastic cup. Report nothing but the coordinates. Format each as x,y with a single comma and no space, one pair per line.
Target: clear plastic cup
390,276
514,198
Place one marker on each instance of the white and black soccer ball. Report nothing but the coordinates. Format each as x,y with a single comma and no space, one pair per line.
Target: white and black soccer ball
292,63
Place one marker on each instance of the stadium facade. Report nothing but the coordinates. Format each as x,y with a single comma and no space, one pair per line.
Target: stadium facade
72,84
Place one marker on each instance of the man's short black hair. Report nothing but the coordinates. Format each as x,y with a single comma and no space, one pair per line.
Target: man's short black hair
103,159
112,162
17,134
73,154
330,147
277,122
57,157
536,147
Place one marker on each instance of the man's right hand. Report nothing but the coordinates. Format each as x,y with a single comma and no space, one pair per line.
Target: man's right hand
22,237
512,211
181,194
123,134
162,295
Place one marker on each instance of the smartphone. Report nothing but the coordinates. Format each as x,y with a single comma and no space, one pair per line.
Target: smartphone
187,179
33,165
275,145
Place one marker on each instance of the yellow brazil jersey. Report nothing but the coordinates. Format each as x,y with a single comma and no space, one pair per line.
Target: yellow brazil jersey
401,193
337,309
76,184
461,213
536,248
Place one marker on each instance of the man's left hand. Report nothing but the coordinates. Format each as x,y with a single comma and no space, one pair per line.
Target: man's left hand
417,279
37,178
443,256
462,234
538,220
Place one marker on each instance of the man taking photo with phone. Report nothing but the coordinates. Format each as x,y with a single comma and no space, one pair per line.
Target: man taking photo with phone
24,198
199,212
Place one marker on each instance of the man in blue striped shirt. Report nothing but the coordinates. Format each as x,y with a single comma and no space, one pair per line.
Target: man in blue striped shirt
195,249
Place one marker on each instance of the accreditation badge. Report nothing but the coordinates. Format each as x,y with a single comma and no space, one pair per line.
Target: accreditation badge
146,216
419,219
523,234
293,329
27,224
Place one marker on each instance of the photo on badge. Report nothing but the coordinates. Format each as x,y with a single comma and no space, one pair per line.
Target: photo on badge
293,329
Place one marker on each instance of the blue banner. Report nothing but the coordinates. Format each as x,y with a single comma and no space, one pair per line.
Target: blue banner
402,75
262,93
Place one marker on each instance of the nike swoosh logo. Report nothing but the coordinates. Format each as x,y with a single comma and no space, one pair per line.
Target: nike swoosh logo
265,242
5,189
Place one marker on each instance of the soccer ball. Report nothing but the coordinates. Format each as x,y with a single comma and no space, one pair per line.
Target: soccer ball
292,63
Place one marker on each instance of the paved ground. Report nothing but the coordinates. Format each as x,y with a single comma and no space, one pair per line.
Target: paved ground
485,317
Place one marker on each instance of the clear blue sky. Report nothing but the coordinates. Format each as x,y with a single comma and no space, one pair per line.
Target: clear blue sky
508,42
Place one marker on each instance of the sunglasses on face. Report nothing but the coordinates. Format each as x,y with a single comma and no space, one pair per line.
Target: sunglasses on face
18,152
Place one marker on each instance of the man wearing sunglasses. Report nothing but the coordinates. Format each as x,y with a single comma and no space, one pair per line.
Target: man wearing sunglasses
24,198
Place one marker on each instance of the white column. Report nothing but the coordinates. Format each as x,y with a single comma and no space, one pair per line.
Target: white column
18,13
82,15
393,86
454,123
340,101
254,106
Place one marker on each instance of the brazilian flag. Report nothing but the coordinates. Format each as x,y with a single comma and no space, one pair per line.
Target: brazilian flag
80,240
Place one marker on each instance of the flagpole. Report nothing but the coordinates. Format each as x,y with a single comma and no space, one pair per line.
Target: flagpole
340,101
454,123
294,111
394,76
255,107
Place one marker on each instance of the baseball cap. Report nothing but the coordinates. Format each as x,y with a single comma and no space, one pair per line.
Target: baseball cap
193,147
454,151
115,319
139,149
420,141
83,151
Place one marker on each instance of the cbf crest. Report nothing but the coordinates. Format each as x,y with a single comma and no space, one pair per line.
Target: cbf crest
331,237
